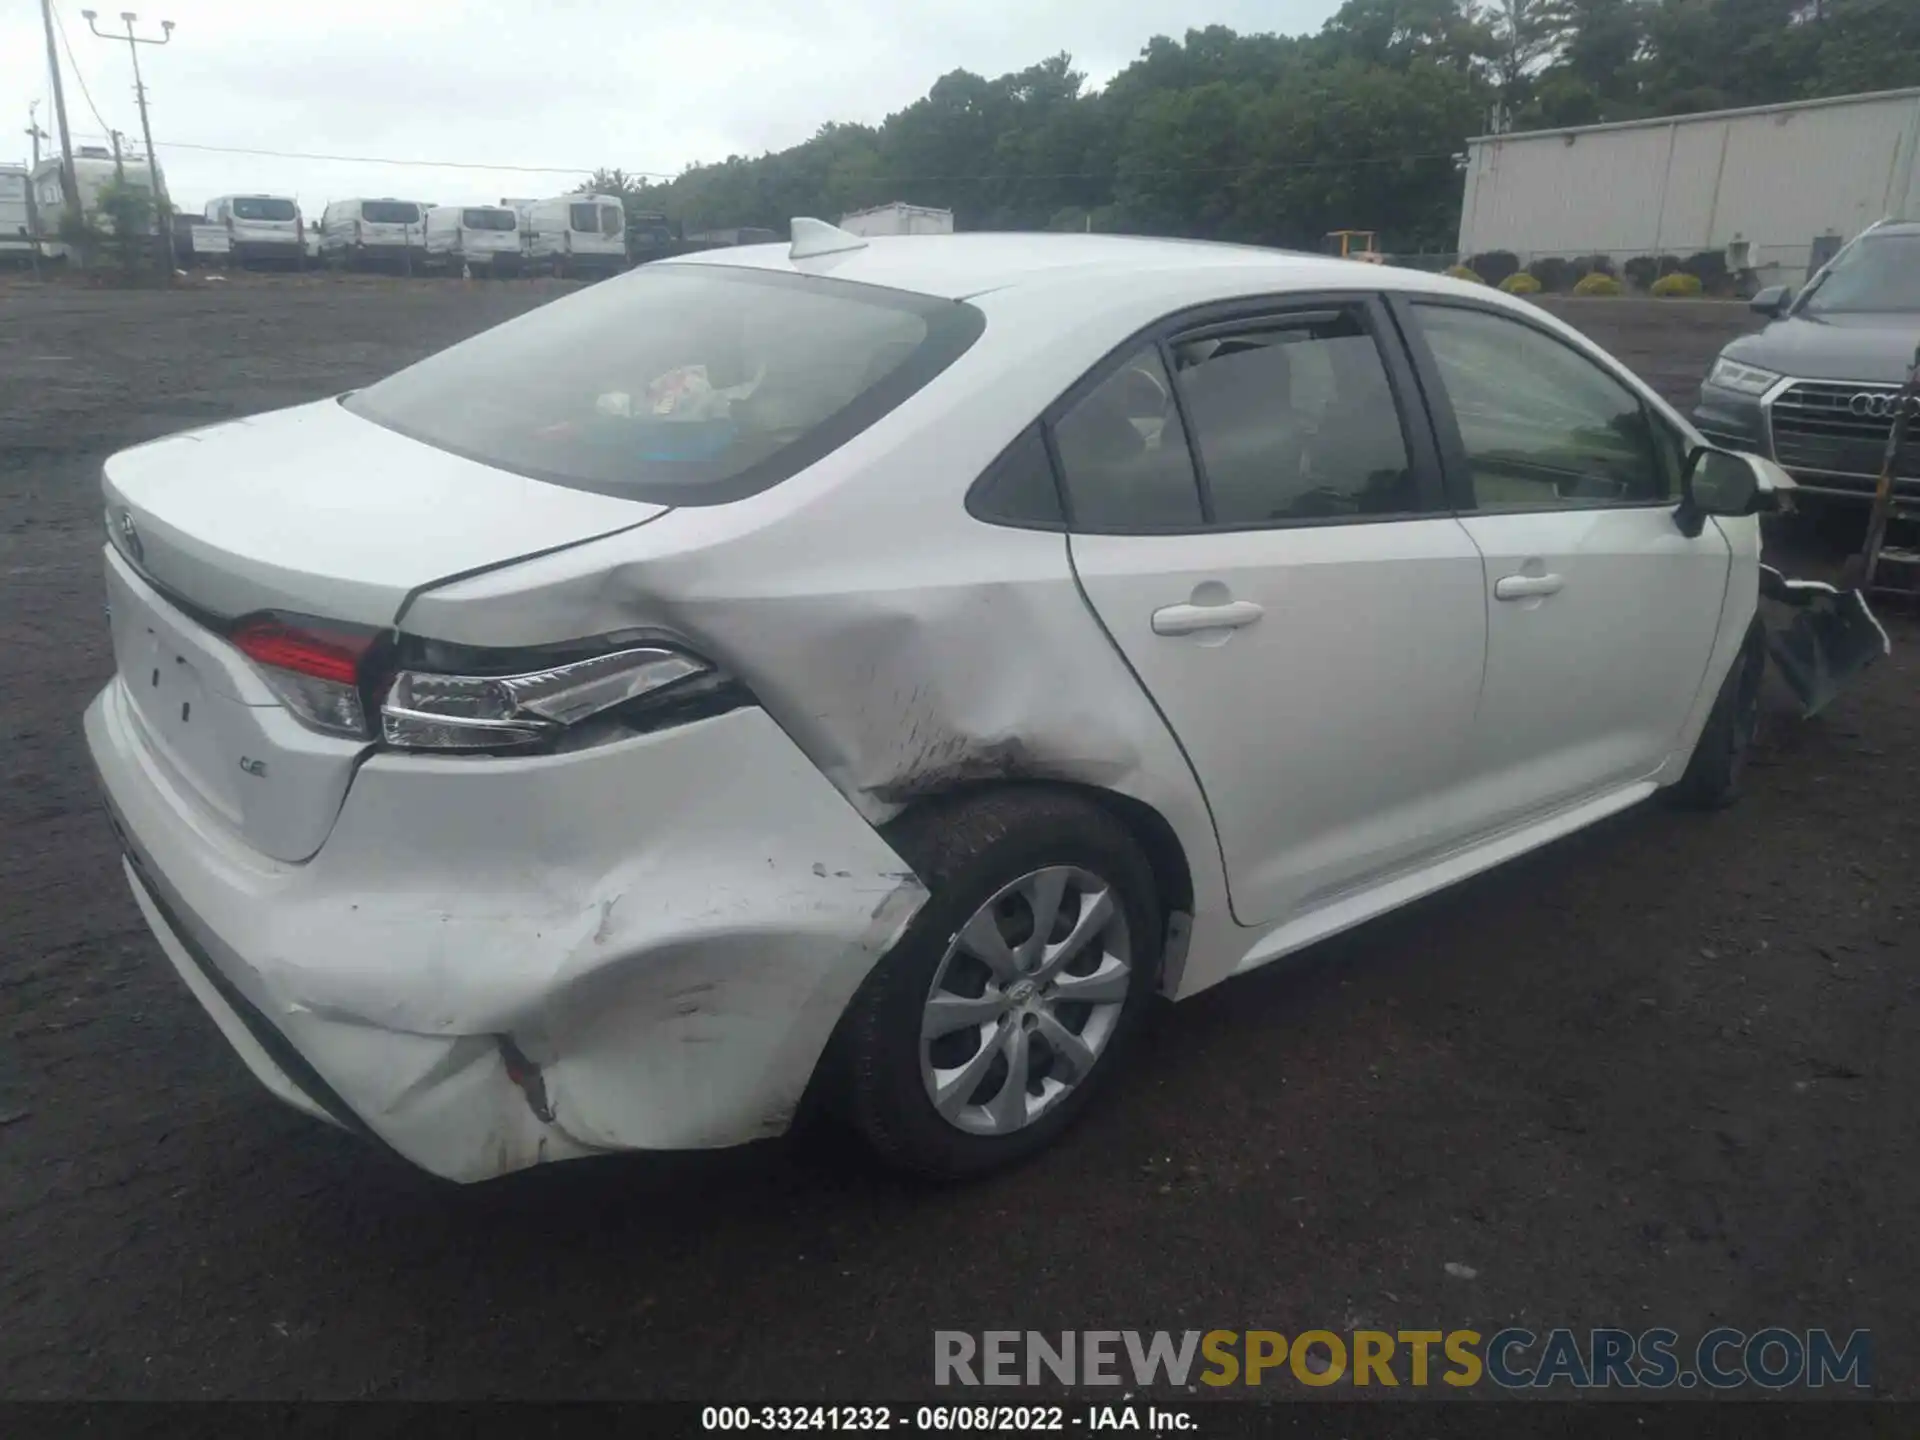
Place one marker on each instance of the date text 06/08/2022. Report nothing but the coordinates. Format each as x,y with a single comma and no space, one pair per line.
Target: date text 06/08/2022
941,1419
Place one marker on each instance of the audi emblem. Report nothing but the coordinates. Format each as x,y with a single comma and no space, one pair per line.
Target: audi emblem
1882,405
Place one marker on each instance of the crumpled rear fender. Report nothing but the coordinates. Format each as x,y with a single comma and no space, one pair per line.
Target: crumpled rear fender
491,963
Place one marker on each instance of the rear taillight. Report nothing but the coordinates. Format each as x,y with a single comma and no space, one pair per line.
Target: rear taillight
313,666
425,709
433,696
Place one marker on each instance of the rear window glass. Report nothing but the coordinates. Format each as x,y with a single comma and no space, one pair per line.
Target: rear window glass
591,218
390,212
677,384
253,207
487,219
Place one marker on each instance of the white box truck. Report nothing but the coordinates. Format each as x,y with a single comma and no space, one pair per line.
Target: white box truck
94,168
899,218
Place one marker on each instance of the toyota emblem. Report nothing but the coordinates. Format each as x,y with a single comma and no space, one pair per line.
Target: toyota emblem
127,535
1882,405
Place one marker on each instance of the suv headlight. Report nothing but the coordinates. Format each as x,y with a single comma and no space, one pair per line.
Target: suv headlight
1741,379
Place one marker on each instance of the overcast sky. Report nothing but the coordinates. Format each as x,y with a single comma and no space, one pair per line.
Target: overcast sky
575,84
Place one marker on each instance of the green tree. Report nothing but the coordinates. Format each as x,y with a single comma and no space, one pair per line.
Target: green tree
126,213
1279,139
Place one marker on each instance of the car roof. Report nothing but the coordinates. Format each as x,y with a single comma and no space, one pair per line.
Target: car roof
959,267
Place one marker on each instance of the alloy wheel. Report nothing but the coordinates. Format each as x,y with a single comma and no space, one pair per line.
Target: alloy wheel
1025,999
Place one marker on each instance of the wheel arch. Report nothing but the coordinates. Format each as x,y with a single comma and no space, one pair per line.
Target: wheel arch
1149,829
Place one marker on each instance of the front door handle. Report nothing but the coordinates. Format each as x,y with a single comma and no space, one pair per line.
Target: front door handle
1525,587
1189,619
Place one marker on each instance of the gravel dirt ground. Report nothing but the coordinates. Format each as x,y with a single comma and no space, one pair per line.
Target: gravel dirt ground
1664,1073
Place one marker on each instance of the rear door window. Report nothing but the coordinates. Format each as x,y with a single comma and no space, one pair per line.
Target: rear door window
1295,421
254,207
1123,452
677,384
390,212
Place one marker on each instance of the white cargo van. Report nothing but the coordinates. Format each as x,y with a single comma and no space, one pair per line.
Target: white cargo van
576,234
16,236
260,227
384,232
474,240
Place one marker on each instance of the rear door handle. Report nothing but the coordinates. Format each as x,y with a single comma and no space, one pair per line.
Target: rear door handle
1523,587
1189,619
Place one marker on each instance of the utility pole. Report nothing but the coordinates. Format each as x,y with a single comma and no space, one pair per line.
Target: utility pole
163,212
119,165
69,183
35,135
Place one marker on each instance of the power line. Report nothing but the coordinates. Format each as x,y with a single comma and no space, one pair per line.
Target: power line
395,160
67,45
1264,166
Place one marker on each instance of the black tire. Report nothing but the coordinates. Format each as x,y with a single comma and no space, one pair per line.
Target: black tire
1713,774
966,851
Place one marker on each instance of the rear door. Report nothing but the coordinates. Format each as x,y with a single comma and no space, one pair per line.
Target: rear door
1258,520
1601,615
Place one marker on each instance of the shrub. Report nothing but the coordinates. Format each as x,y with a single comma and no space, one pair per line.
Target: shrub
1710,268
1641,271
1679,284
1597,283
1552,272
1520,283
1461,272
1594,264
1494,265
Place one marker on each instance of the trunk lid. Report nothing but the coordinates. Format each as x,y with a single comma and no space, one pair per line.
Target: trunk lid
317,511
313,511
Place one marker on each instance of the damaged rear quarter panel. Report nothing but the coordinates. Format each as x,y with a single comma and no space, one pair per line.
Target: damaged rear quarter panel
702,908
907,648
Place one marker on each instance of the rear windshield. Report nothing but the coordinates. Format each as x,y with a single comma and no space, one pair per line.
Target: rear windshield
390,212
487,219
260,208
677,384
605,219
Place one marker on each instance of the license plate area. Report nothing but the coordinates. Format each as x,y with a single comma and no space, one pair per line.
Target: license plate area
182,718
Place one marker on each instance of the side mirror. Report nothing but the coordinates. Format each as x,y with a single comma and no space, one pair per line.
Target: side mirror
1719,482
1772,301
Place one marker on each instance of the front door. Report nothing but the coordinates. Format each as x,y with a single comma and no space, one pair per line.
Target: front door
1601,615
1261,534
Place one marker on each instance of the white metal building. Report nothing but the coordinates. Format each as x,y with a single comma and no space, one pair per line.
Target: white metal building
1783,182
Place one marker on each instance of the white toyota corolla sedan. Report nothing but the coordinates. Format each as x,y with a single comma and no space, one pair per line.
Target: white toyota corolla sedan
877,669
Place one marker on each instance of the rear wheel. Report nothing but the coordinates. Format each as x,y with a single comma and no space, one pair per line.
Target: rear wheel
1009,1001
1713,775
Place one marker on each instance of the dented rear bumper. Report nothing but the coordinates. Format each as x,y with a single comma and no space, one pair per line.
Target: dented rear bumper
491,964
